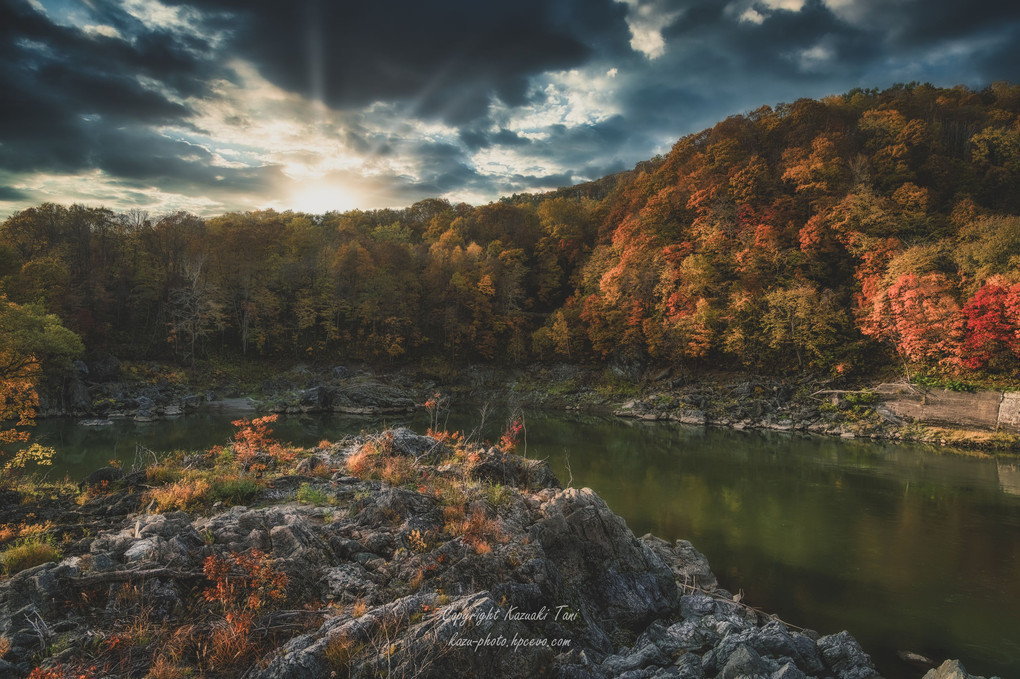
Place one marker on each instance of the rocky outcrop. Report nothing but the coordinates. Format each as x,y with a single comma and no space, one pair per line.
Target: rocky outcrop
479,565
486,567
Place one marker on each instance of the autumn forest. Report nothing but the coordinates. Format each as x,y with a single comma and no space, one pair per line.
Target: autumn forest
876,230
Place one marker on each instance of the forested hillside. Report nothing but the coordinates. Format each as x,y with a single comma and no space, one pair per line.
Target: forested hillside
876,228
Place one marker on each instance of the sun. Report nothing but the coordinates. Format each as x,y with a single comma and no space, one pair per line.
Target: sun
320,197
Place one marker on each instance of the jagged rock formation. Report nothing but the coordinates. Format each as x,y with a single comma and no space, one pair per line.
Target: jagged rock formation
478,565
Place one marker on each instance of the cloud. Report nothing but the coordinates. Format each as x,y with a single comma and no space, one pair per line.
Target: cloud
213,105
447,59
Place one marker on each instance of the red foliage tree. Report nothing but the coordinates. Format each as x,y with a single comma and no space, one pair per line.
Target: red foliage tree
992,327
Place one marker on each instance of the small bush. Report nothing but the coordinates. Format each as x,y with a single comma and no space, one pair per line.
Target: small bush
28,553
236,491
499,495
162,473
397,471
311,495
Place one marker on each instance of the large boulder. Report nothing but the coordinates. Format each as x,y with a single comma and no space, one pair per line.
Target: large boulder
594,558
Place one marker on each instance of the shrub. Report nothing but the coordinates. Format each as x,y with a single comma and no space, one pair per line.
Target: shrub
28,553
236,491
397,470
498,495
162,473
244,583
311,495
255,436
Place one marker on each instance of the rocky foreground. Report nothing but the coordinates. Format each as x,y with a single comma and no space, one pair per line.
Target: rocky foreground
388,555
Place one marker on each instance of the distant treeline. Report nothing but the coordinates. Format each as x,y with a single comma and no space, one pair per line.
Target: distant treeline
833,236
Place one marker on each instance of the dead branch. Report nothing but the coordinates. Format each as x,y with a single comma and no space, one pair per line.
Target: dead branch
686,587
135,574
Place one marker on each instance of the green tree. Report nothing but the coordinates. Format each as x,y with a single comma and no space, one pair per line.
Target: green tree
30,340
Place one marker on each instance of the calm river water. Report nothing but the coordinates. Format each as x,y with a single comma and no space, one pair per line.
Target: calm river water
909,549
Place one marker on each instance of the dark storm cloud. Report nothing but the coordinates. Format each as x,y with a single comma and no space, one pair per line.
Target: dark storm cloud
9,193
70,96
173,165
475,139
447,58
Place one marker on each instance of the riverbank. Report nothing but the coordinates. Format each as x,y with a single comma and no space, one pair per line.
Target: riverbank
981,421
392,553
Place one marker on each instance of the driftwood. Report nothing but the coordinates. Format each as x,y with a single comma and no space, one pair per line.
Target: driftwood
135,574
735,600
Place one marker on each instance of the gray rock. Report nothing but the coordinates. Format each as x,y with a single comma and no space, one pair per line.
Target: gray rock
690,567
597,557
406,442
143,550
745,663
788,671
845,657
310,466
315,399
697,417
640,657
495,466
691,635
348,582
694,606
773,640
103,474
688,666
950,669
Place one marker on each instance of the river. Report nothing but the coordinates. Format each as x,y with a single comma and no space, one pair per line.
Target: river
908,548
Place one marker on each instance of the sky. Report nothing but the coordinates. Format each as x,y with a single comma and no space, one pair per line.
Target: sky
213,106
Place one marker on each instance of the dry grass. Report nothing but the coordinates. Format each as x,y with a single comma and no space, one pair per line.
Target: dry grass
397,471
231,647
415,582
376,460
5,646
184,494
165,668
359,609
364,462
340,651
163,473
477,529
